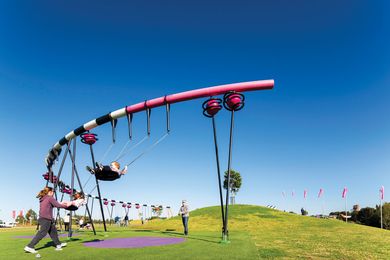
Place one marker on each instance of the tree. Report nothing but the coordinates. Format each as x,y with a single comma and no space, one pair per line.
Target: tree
235,183
157,210
355,212
31,216
368,216
20,219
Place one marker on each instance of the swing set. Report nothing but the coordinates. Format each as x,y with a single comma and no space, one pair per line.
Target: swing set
233,100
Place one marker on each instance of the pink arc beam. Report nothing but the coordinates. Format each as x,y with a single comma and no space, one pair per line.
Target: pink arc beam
199,93
161,101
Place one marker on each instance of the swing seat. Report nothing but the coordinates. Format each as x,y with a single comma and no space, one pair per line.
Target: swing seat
72,208
106,174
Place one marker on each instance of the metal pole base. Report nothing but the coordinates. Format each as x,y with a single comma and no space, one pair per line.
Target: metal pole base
225,237
225,240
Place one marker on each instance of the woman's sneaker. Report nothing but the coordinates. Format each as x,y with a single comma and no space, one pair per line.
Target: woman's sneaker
59,247
30,250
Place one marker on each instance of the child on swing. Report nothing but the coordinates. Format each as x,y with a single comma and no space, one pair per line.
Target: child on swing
78,201
113,167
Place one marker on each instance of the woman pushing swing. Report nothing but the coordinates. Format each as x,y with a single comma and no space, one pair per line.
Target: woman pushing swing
46,221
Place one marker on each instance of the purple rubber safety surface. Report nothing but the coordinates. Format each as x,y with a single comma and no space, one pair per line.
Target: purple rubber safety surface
134,242
47,236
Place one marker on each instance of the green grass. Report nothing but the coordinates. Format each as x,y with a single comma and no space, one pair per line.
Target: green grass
255,233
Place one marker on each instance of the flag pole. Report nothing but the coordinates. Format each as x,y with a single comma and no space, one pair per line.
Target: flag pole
381,216
346,214
381,197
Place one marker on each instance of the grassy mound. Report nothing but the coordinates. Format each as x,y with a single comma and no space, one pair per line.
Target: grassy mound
255,233
281,234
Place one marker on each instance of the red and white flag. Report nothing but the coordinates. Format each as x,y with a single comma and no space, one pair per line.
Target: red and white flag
382,192
304,194
320,192
21,213
344,192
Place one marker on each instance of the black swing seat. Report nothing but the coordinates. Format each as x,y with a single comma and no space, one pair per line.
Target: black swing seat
72,208
106,174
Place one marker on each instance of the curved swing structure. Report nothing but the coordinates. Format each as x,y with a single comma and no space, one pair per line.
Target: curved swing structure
233,101
149,104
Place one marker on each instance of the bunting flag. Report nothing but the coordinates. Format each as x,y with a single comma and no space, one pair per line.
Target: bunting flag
284,194
320,192
104,199
382,192
21,213
292,194
304,194
14,214
344,192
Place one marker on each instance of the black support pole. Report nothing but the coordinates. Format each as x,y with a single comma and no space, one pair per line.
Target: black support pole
58,217
226,232
219,172
85,212
72,187
62,165
98,189
93,200
58,179
81,189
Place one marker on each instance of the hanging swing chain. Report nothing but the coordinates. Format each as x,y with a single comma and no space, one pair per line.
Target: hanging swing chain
107,152
124,153
113,125
93,187
148,112
149,149
88,181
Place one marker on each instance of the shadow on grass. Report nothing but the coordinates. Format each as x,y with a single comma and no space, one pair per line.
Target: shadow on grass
197,237
93,240
48,244
51,244
174,233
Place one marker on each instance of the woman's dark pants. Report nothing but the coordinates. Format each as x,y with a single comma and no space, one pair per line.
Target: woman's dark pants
46,226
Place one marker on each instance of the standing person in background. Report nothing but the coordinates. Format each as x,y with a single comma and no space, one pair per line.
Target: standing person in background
67,221
126,220
46,221
81,223
185,215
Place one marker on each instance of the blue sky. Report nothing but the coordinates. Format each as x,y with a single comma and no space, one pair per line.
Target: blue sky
325,124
